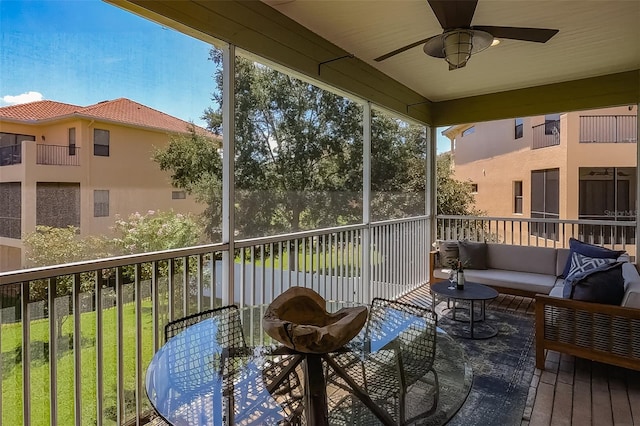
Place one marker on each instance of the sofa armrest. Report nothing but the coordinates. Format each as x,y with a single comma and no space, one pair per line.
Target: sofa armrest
604,333
434,263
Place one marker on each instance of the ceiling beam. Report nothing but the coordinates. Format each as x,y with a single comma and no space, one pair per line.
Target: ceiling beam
596,92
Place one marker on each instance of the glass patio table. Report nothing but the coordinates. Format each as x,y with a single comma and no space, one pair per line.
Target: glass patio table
197,378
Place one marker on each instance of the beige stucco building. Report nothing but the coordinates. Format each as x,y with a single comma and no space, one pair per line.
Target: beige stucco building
64,164
575,165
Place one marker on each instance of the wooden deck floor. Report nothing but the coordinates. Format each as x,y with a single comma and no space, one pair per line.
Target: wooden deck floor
570,391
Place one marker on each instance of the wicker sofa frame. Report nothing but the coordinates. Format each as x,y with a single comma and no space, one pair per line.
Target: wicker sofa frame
603,333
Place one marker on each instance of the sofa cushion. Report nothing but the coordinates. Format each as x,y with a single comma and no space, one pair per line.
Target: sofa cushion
557,289
631,286
537,260
448,253
526,281
562,256
603,285
473,255
589,250
581,265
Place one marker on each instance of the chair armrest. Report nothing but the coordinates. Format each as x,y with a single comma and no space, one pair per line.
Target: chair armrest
604,333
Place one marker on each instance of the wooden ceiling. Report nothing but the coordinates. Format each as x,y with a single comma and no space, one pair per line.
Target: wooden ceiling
594,61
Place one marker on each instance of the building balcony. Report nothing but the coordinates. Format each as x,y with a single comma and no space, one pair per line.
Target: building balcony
546,135
77,338
53,155
608,128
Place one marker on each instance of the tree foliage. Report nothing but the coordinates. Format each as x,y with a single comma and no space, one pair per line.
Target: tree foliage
195,164
294,149
155,231
298,157
51,246
454,196
139,233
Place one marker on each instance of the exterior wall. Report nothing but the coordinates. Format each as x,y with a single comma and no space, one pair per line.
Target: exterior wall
490,140
493,159
10,258
134,181
594,154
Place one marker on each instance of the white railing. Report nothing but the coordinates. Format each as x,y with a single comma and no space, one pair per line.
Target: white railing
76,339
616,234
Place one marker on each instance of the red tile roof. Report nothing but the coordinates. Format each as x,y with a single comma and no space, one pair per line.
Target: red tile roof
40,110
120,110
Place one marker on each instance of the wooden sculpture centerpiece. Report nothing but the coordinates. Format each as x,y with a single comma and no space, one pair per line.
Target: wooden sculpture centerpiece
299,320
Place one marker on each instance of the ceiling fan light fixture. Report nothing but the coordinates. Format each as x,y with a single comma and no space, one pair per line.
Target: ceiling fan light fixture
457,46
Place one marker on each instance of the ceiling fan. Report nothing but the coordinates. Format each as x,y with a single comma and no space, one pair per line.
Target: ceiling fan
606,173
460,39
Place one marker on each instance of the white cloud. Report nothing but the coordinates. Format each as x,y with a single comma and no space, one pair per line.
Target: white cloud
22,98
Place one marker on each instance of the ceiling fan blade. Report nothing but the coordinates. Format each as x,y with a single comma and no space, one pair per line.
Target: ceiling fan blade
454,13
402,49
538,35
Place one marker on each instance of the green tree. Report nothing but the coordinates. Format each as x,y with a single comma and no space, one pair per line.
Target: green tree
298,159
294,142
155,231
398,155
139,233
454,196
52,246
196,166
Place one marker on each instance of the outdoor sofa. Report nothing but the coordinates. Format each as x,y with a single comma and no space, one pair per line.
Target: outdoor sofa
597,331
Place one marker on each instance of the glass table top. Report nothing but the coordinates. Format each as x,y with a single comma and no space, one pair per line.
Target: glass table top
206,375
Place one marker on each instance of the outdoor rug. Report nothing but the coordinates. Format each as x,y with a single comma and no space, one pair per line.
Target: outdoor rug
502,369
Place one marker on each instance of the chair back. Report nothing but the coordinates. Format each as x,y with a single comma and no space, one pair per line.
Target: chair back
414,330
214,337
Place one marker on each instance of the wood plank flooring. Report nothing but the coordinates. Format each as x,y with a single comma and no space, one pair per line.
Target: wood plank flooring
570,391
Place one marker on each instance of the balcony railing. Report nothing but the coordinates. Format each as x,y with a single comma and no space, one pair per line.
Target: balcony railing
608,129
545,135
76,339
58,155
615,234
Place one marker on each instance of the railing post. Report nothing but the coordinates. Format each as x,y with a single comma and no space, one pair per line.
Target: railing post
26,356
228,181
367,248
431,208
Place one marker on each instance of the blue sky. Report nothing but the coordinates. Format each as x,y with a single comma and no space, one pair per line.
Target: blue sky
44,46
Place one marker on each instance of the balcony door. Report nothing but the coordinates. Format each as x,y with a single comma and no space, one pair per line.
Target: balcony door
545,202
607,193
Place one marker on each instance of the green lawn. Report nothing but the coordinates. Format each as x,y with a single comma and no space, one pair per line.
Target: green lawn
11,347
11,341
338,258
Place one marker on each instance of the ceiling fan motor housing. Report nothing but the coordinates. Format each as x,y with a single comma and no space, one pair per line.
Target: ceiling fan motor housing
456,46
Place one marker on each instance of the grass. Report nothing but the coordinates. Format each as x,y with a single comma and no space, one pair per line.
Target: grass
11,350
347,257
11,341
